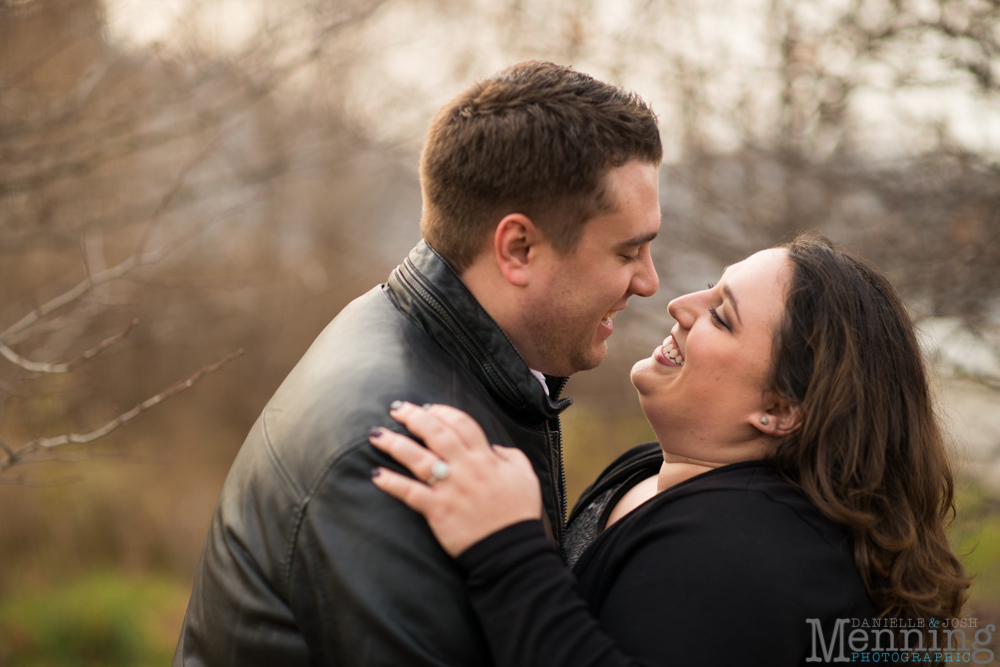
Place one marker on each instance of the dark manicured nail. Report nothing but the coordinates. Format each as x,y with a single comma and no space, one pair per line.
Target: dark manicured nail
374,431
376,472
395,405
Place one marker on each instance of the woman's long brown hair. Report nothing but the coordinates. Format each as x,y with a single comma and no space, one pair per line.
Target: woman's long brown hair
870,454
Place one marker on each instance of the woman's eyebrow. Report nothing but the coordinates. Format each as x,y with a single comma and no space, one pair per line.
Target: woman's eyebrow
728,293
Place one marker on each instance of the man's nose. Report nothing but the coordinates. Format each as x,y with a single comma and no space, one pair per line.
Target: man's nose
645,282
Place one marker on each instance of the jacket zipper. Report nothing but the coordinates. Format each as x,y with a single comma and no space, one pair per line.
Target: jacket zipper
552,439
413,281
556,456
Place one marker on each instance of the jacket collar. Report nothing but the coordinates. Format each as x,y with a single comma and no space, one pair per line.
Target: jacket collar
426,287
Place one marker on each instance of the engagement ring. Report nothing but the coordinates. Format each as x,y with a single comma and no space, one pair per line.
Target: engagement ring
439,471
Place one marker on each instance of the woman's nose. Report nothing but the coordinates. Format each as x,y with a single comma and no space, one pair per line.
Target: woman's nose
682,309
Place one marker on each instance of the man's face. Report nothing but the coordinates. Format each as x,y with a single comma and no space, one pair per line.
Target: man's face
570,309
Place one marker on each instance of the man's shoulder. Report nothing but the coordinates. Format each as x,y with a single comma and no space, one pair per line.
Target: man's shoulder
371,354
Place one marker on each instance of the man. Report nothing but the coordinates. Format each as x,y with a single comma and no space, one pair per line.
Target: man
540,201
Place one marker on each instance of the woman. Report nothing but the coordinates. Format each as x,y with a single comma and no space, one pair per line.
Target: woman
799,478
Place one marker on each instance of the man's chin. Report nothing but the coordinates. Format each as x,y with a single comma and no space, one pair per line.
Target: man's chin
592,359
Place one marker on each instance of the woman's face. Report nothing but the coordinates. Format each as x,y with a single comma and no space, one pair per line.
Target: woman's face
703,389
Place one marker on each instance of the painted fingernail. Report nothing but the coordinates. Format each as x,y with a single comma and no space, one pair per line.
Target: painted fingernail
395,405
376,472
426,406
375,432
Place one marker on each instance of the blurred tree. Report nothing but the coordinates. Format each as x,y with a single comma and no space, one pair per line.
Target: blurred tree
112,161
814,161
876,121
856,129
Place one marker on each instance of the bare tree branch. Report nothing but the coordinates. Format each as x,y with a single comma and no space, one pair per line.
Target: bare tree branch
117,137
120,420
41,367
108,275
69,296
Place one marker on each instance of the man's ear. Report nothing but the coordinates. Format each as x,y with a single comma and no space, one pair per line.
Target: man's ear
515,242
779,418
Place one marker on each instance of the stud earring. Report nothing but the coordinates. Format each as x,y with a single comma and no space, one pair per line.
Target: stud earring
764,420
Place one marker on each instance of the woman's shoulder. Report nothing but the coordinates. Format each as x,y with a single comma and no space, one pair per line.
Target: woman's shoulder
739,527
749,494
742,514
645,457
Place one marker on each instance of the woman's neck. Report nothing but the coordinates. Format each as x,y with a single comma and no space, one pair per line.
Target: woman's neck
674,472
704,452
669,457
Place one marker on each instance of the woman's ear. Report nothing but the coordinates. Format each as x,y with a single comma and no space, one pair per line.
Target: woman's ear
779,418
514,241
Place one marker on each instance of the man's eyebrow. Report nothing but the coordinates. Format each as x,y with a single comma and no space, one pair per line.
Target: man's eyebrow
638,240
729,295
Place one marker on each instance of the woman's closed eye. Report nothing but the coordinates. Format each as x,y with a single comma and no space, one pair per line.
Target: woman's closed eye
715,314
719,320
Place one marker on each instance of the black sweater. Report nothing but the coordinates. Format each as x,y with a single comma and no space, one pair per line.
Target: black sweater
722,569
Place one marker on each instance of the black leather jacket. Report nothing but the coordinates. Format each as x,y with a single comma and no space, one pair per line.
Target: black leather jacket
306,561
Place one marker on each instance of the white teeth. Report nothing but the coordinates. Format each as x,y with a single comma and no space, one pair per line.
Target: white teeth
672,352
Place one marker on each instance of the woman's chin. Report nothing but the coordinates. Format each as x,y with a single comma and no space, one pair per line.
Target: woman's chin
646,376
635,375
640,365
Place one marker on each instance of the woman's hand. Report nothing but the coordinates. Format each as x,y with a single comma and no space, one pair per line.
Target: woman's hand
482,488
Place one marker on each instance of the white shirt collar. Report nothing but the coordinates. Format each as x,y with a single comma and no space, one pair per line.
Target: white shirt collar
541,378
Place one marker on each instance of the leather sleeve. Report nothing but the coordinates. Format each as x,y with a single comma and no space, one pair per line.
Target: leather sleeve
367,594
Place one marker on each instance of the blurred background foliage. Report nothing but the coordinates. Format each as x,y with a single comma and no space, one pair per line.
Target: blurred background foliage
232,173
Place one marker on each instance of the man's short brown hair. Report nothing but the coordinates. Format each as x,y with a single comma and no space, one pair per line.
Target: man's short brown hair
537,139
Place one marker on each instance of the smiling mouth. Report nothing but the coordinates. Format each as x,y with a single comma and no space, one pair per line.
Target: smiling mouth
609,316
671,352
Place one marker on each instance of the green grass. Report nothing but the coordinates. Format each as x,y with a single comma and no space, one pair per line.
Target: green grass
975,535
105,620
